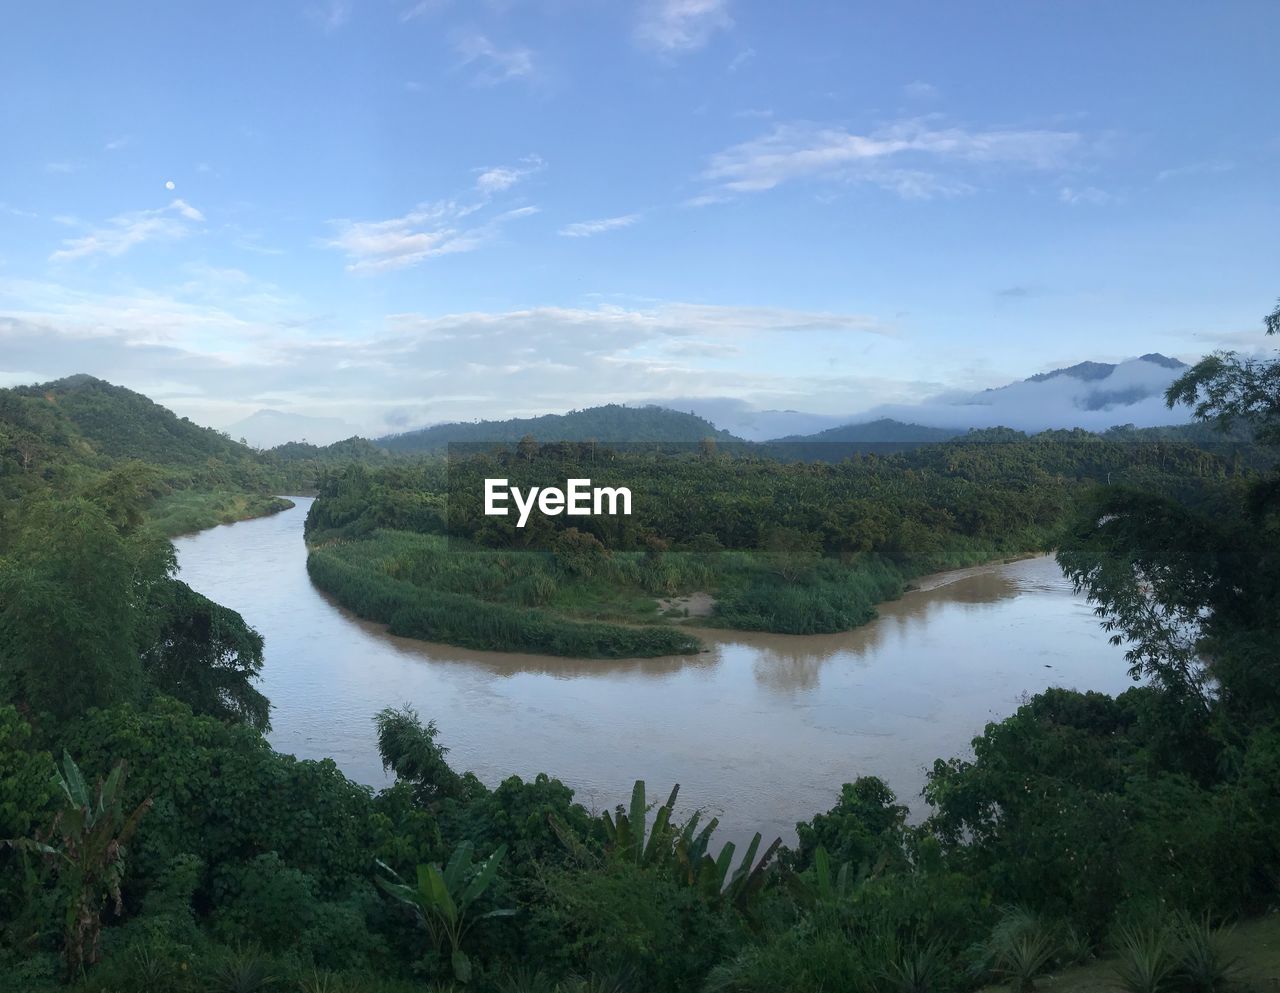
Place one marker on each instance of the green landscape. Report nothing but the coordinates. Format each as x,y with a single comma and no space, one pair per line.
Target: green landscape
788,546
154,841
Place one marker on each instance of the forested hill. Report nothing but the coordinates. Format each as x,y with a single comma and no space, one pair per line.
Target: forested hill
84,436
882,436
612,423
87,419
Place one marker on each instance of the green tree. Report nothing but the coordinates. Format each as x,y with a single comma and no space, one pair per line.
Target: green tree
91,832
70,619
206,655
1190,581
409,748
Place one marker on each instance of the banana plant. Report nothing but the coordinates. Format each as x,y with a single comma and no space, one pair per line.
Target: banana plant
748,880
684,851
442,899
696,867
626,832
711,876
831,887
91,833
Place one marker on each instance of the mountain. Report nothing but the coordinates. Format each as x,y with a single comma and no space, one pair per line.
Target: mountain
83,435
613,424
1090,395
84,419
739,418
882,431
835,444
271,428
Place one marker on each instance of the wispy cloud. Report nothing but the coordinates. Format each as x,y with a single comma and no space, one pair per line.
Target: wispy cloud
494,65
421,8
332,14
920,90
498,179
890,156
124,231
61,168
223,346
675,26
115,144
428,231
585,229
741,59
1075,195
1195,169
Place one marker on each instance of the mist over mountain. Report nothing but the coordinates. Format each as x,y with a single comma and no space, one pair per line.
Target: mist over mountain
269,428
1090,395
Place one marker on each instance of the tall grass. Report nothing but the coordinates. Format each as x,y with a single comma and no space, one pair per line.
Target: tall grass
458,619
188,511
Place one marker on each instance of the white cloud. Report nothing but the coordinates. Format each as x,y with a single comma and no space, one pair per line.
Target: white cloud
585,229
826,152
421,8
124,231
674,26
61,168
494,65
1195,169
920,90
427,231
332,14
499,179
115,144
741,59
224,348
1086,195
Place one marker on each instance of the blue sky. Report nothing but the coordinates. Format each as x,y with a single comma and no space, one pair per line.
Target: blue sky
397,211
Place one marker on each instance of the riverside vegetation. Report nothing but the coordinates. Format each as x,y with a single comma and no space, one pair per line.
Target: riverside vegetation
156,842
789,547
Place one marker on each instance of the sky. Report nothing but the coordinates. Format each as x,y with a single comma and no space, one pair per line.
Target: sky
399,212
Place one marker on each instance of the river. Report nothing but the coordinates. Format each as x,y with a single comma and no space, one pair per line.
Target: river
761,730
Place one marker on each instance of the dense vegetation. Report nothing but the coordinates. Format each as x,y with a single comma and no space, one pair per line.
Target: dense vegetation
156,842
80,434
794,547
610,423
71,435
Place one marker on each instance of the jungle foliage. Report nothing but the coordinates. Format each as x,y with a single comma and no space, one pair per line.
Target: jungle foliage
791,547
170,849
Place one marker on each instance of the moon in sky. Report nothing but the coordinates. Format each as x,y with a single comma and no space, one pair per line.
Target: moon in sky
169,185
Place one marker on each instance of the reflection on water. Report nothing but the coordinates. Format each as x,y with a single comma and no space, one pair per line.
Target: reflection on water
761,729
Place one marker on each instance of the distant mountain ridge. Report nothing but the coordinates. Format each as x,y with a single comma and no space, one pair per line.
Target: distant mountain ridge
612,423
1090,371
883,430
270,428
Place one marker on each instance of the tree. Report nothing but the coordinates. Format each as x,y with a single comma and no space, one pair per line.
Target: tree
1191,581
91,831
206,655
70,621
409,749
1223,388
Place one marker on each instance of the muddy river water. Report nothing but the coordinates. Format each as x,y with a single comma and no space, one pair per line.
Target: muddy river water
760,730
